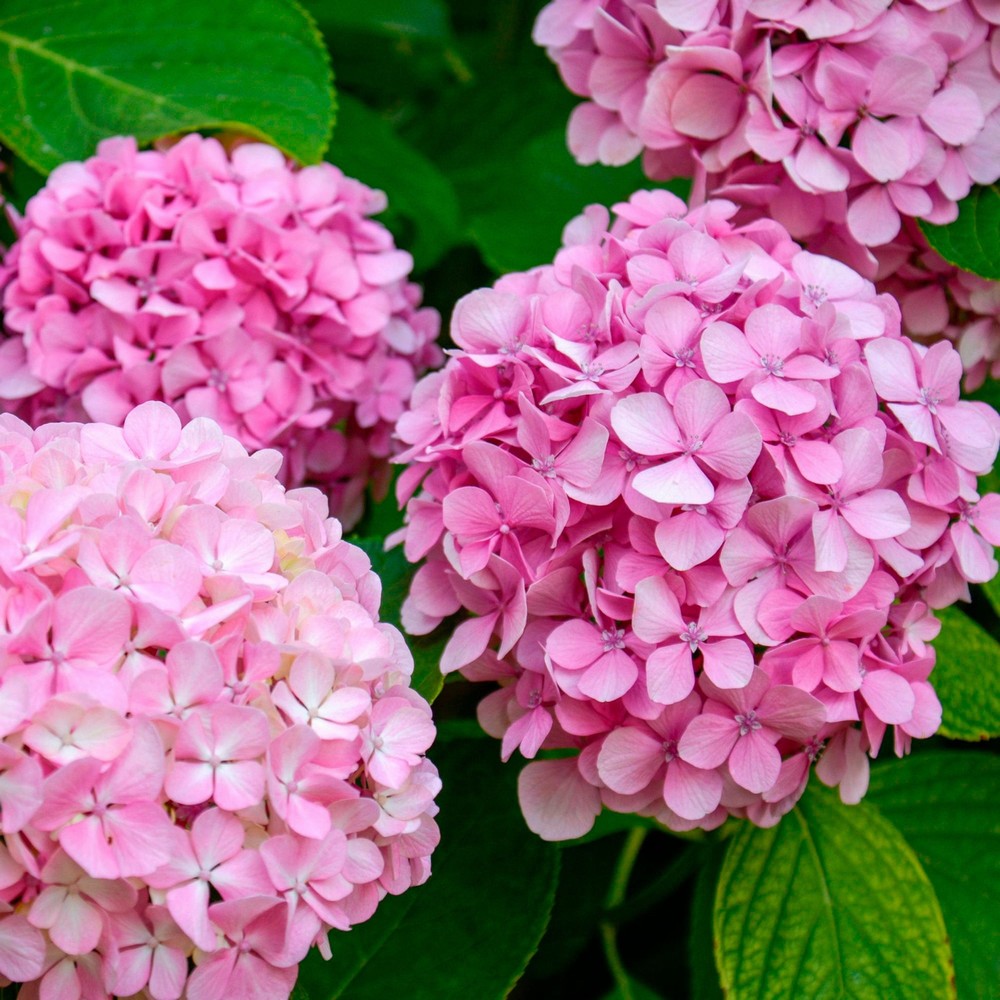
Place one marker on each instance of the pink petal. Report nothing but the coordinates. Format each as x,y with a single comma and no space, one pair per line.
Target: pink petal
880,150
872,218
889,696
955,114
841,666
784,396
691,792
878,514
728,662
470,511
678,481
900,85
557,802
792,712
818,461
467,643
574,644
828,539
708,740
726,354
239,785
644,423
688,539
706,107
657,613
610,676
629,759
22,949
670,674
755,763
732,446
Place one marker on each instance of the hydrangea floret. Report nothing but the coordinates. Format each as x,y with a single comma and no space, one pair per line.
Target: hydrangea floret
697,496
210,751
230,285
873,110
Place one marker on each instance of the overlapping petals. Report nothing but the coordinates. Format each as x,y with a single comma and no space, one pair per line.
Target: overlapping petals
229,285
871,112
210,753
701,558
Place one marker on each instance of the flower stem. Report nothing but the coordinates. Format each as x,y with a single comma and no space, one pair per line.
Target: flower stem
616,896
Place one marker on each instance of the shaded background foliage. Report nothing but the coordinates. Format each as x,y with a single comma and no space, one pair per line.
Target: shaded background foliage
451,109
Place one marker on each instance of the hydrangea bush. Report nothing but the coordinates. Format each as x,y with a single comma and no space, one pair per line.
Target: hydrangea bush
230,285
210,752
686,500
699,495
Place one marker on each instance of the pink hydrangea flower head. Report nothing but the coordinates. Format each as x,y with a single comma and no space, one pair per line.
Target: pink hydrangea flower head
208,740
695,492
874,112
229,284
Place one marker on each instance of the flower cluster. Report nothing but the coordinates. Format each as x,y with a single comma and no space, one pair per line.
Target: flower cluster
229,286
210,754
699,495
874,110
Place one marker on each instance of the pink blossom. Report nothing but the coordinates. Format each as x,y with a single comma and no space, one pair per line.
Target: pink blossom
700,427
863,115
265,300
721,548
742,727
194,669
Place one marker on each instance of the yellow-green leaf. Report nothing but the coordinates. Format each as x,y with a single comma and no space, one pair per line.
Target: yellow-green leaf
831,904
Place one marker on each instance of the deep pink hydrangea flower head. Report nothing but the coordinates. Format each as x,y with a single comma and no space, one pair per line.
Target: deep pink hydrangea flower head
210,751
697,494
231,285
873,111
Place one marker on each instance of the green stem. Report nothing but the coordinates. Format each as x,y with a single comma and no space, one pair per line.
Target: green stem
616,896
675,875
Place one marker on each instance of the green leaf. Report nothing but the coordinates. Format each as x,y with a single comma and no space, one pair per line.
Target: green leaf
366,146
972,240
75,73
944,804
471,929
541,191
424,19
830,904
396,574
965,678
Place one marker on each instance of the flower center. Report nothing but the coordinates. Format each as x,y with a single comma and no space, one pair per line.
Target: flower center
693,634
928,399
772,364
613,639
816,295
748,723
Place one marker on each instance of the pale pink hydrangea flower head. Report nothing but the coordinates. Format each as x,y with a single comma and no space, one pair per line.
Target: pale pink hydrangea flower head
210,751
229,284
873,111
697,496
